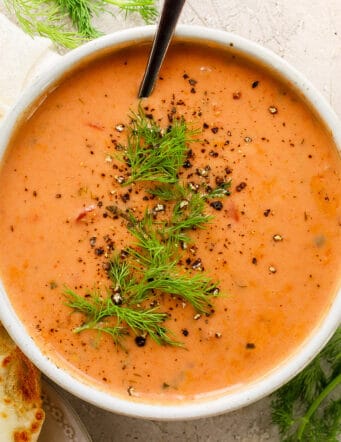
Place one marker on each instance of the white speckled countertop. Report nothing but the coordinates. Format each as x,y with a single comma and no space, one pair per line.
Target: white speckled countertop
307,33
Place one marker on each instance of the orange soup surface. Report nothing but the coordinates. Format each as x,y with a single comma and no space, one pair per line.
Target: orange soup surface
273,245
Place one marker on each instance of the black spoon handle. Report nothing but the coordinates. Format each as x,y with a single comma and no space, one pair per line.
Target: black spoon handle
170,13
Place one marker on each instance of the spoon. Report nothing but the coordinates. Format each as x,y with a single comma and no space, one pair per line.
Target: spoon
170,13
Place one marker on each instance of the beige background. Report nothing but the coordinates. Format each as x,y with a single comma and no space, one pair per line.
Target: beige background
307,33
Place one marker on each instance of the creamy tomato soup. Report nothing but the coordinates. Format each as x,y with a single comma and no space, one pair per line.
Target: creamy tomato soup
273,244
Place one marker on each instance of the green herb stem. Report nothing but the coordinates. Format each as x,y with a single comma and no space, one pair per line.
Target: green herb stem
307,394
316,404
146,8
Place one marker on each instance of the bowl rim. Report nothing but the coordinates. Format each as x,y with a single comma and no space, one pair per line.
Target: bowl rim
208,406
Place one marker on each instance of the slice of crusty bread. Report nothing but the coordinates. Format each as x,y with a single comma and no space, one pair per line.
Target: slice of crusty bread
21,415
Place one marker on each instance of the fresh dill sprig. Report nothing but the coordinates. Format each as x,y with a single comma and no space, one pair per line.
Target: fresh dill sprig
174,192
189,208
307,409
154,154
156,257
81,13
51,18
99,313
189,214
39,17
146,8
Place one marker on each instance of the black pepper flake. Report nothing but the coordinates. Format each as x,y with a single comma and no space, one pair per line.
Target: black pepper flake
267,212
93,240
125,197
213,154
241,186
185,332
254,261
219,180
130,391
217,205
197,264
185,76
140,341
58,195
193,91
236,95
228,171
187,164
273,110
192,82
34,193
190,153
99,251
215,130
203,171
255,84
106,266
205,126
250,346
193,186
117,298
215,291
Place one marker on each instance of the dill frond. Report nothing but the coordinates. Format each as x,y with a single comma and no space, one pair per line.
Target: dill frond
39,17
99,313
81,13
305,409
154,154
52,18
157,259
146,8
191,216
121,276
169,192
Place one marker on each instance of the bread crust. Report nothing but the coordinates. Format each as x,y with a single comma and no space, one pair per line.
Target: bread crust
20,393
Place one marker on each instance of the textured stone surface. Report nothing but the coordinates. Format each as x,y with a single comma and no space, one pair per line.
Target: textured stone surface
307,33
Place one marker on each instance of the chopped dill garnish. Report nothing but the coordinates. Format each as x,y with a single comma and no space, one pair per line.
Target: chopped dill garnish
189,208
155,154
157,261
308,408
52,19
99,313
151,267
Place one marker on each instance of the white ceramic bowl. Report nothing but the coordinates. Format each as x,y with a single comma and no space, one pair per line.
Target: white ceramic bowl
250,392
